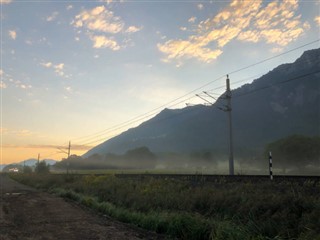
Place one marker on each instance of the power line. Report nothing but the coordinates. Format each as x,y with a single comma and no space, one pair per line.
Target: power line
85,142
237,96
278,83
270,58
112,130
92,137
213,105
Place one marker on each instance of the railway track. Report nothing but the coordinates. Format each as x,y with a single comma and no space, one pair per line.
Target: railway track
219,178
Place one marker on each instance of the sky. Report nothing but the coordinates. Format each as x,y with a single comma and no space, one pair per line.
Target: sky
83,71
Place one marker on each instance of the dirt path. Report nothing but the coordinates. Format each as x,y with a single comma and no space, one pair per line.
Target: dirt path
26,213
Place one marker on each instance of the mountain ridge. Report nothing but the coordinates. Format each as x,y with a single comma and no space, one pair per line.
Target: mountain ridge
265,110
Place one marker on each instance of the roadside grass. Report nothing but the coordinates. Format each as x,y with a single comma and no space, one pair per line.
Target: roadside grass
220,210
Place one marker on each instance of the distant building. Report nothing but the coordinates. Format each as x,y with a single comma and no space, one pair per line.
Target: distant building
13,170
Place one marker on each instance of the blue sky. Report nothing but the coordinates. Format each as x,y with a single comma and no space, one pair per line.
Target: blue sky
74,68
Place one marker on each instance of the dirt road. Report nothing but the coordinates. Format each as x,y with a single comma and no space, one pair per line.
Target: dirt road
26,213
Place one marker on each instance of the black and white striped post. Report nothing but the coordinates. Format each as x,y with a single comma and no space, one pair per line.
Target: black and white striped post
270,166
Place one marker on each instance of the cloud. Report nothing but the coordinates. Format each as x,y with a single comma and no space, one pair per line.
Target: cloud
23,86
183,28
192,20
13,34
19,84
48,64
200,6
104,42
5,1
187,49
101,25
35,146
58,68
68,89
52,16
18,133
2,85
69,7
277,23
8,80
3,130
133,29
317,20
99,19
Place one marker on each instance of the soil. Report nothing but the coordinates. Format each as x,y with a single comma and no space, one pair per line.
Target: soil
28,214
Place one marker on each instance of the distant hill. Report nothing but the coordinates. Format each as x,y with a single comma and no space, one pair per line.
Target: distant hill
28,162
283,102
32,162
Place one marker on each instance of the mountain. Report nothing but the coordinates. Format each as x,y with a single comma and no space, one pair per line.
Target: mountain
29,162
284,101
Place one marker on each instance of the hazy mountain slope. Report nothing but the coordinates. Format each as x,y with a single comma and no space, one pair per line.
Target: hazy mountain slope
278,104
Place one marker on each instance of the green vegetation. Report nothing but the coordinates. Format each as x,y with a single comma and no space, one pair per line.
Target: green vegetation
42,168
27,169
295,151
138,158
221,210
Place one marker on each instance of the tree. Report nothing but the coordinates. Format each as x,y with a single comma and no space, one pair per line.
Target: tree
27,169
295,151
140,157
142,153
42,168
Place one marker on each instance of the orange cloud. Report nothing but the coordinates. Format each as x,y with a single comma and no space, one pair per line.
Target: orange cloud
221,29
58,68
179,49
18,133
5,1
133,29
247,21
104,42
17,153
32,146
100,20
13,34
317,20
277,23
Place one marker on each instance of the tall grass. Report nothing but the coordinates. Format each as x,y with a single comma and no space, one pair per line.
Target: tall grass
220,210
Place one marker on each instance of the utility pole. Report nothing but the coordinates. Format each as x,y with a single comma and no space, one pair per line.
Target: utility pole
37,167
226,108
69,149
229,110
62,150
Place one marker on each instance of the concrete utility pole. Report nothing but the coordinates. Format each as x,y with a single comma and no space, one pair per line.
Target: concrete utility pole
229,110
38,158
69,149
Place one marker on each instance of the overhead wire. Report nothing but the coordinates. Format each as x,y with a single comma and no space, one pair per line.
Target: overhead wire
137,120
237,96
278,83
93,137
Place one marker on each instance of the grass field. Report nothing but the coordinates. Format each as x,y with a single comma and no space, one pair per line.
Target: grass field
188,210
